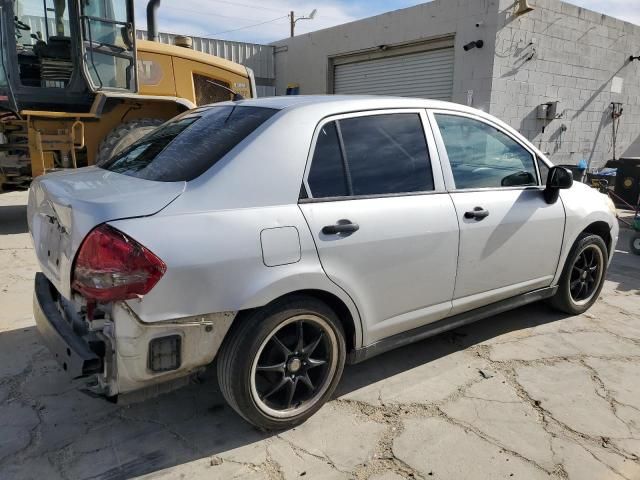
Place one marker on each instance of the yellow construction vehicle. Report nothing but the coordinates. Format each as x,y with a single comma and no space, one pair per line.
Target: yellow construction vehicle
76,86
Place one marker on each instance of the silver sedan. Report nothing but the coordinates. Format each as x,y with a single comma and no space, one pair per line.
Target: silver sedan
284,237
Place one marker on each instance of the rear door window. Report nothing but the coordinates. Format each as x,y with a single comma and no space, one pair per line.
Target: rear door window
187,146
371,155
387,154
327,176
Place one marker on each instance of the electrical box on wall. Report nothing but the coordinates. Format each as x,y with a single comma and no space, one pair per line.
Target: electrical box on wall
547,111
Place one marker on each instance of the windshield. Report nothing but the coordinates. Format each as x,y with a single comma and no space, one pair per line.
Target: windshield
187,146
43,42
38,20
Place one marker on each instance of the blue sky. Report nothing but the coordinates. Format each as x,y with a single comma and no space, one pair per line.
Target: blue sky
235,19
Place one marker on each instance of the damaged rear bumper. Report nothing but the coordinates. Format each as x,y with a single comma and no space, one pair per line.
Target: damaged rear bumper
70,350
121,354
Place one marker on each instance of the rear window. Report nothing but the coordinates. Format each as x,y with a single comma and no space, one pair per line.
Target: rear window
187,146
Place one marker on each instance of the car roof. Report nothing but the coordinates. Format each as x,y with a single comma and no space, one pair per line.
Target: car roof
332,104
320,106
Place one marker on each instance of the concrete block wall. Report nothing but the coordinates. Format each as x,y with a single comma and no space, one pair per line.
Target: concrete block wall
304,59
562,52
558,51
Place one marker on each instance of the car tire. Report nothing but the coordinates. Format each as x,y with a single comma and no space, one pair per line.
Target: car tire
583,275
124,135
279,364
634,244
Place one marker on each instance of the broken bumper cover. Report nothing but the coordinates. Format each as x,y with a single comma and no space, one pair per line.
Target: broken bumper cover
127,368
70,350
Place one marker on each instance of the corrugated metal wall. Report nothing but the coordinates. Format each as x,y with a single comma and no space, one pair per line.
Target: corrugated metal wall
258,58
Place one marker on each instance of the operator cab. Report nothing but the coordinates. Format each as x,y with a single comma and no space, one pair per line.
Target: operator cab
43,43
58,52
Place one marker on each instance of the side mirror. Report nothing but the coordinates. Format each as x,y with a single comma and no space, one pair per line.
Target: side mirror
521,178
558,178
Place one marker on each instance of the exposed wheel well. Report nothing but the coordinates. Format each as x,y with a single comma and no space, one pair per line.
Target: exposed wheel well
338,306
601,229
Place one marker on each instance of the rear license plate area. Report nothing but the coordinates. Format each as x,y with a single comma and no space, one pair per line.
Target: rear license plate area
51,241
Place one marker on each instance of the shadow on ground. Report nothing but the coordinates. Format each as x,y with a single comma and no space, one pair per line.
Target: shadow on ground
625,265
97,439
13,219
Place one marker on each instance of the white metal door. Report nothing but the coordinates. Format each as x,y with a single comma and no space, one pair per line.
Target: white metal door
510,237
400,266
389,236
424,74
513,250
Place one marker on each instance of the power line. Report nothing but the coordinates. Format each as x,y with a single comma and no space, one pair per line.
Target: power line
238,4
209,14
248,26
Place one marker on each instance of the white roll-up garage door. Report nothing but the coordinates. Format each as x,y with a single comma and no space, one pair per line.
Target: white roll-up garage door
425,74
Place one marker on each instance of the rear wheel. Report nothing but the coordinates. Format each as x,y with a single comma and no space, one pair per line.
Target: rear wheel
124,135
283,362
583,275
634,244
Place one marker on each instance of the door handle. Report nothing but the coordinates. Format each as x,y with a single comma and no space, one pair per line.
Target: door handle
343,226
478,213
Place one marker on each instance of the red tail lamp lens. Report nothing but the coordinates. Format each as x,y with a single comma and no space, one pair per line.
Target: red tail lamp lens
112,266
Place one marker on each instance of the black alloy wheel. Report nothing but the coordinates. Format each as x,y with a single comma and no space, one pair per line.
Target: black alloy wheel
280,363
293,366
585,274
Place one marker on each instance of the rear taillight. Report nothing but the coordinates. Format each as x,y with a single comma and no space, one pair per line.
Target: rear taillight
112,266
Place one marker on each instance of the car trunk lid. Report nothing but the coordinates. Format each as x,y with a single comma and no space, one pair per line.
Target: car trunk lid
65,206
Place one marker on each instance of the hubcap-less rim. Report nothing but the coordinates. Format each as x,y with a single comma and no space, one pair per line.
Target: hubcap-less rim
586,274
294,366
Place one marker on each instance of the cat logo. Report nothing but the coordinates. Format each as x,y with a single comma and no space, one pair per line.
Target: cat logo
149,72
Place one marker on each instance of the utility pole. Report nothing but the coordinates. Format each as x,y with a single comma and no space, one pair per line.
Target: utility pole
293,19
293,22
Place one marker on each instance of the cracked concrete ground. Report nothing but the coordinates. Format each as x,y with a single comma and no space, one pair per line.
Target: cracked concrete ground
527,394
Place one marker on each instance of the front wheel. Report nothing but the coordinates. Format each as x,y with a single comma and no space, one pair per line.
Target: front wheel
282,362
583,275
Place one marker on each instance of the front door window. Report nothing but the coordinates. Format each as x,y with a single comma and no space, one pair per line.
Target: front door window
482,156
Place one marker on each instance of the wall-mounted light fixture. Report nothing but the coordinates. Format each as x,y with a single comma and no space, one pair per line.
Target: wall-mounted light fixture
523,7
632,58
474,44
